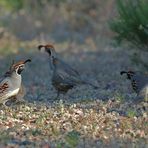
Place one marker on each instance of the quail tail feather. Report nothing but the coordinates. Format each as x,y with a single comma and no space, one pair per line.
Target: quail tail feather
84,81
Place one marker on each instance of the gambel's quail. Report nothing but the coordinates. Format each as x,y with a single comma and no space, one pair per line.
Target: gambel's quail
139,82
64,76
11,82
22,91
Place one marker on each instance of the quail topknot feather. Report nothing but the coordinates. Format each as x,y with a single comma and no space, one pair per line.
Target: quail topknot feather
64,76
10,83
139,82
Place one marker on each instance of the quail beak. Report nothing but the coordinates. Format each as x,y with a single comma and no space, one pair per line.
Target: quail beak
23,67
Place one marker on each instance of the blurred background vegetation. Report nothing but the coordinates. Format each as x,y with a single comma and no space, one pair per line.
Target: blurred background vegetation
26,23
54,20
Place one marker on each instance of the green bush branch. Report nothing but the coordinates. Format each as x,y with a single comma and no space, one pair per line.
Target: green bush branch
132,23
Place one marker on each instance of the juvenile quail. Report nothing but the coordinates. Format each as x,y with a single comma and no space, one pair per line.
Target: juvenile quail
11,82
64,76
139,82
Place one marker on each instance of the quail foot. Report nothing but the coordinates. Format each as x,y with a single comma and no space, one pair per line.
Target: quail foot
64,76
139,82
10,84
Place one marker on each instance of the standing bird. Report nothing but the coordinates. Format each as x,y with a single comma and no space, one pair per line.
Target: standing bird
22,90
64,76
10,85
139,82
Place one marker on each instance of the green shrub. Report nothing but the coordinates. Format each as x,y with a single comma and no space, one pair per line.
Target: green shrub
132,23
72,139
11,4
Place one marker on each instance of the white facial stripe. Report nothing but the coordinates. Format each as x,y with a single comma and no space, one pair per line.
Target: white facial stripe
21,65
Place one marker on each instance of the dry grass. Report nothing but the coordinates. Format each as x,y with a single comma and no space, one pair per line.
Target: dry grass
75,125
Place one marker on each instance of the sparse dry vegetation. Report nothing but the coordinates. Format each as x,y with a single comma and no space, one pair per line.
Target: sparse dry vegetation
74,125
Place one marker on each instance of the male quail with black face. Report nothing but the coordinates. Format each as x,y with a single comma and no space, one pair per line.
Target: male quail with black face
64,76
22,91
11,82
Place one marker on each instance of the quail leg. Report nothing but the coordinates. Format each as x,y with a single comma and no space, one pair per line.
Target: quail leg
20,96
58,94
